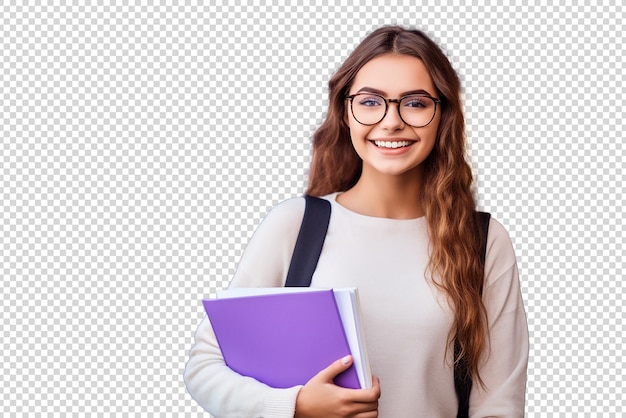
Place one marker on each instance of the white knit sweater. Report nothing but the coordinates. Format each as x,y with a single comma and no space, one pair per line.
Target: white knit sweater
406,319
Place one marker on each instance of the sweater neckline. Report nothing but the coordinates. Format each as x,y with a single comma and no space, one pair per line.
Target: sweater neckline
367,218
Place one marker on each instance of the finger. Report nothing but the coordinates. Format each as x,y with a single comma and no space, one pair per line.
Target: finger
361,407
370,395
376,386
369,414
338,366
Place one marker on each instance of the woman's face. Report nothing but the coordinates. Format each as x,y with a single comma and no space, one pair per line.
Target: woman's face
392,147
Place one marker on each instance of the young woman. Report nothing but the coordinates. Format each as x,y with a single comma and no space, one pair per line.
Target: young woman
390,157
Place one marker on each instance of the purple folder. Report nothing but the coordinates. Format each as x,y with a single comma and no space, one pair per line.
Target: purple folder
282,340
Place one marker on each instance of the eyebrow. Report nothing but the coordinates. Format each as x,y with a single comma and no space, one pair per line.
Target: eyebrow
382,93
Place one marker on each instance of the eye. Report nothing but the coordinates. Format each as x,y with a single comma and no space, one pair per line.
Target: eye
417,102
370,101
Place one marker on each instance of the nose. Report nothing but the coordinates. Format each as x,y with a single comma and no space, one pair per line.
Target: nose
392,120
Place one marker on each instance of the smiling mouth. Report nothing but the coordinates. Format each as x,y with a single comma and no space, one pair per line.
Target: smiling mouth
392,144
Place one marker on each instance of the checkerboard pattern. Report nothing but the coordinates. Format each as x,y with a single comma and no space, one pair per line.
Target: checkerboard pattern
142,144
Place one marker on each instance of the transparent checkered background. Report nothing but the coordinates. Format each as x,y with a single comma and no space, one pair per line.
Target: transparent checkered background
141,145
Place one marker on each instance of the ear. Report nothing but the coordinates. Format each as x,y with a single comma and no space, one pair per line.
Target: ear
346,116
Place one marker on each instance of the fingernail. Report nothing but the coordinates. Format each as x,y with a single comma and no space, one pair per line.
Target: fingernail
345,360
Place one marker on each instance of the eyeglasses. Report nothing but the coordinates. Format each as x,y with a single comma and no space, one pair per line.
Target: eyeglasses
416,110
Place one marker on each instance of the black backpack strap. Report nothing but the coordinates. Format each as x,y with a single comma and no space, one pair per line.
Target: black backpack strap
484,218
462,380
309,243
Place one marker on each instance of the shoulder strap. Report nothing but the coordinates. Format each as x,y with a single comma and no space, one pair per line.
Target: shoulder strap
484,218
462,381
310,242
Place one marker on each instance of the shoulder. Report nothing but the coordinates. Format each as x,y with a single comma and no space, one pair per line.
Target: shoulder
286,214
281,224
500,256
289,213
266,258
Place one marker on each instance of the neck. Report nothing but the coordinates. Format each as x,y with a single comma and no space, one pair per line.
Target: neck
386,196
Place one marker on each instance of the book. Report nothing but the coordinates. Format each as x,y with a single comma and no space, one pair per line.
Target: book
285,336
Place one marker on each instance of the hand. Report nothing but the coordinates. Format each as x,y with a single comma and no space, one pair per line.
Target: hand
320,397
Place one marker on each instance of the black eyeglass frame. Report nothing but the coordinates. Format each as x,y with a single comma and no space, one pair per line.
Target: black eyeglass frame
387,101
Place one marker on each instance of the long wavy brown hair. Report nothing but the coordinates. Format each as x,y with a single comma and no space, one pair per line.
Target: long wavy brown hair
447,196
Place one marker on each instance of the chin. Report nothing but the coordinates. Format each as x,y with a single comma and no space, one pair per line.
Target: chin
396,171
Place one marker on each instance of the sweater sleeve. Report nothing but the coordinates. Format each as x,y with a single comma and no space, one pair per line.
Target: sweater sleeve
217,388
504,365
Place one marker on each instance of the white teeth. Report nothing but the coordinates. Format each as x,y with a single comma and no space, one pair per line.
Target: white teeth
395,144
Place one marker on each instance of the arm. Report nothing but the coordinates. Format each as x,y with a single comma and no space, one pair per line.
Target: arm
504,365
218,389
225,393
